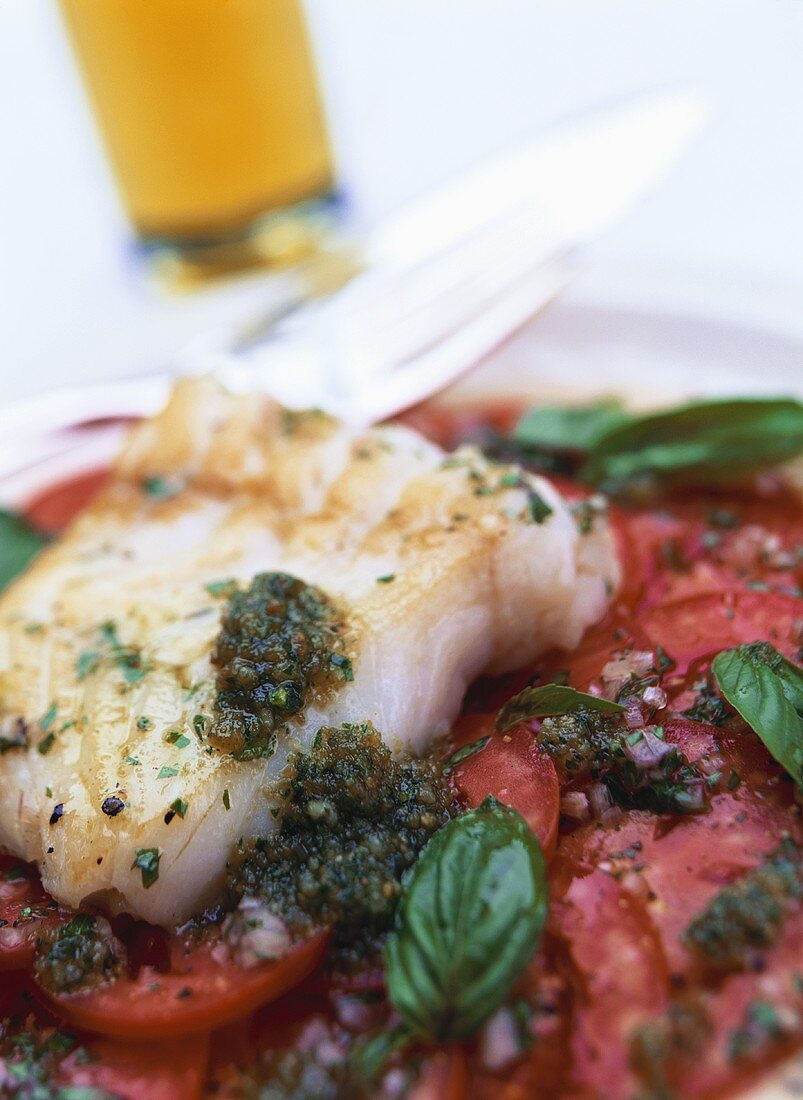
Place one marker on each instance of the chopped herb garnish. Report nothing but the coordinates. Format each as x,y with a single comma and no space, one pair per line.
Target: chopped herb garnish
147,860
225,587
179,806
48,718
177,738
167,772
87,662
46,744
388,577
144,723
161,488
226,799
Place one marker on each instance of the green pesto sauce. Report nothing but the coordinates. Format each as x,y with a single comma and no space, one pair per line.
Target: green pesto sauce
77,956
31,1060
281,647
354,819
747,916
662,1048
297,1075
590,745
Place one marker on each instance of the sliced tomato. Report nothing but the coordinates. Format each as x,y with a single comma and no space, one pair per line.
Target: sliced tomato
26,910
443,1076
169,1070
57,505
513,770
622,976
617,634
696,629
678,865
198,993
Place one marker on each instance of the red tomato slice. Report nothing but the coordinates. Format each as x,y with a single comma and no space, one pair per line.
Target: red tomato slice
171,1070
700,626
197,994
514,771
55,506
623,977
677,870
25,911
444,1076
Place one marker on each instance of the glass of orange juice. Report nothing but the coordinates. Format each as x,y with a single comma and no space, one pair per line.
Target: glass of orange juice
212,118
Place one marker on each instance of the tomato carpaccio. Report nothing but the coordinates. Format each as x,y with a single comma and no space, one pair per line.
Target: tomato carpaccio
615,1003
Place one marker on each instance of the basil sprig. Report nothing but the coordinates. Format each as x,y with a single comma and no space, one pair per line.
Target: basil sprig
468,923
568,427
767,690
550,699
19,544
693,444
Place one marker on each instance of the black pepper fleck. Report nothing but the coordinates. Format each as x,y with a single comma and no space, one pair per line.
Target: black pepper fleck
112,806
58,811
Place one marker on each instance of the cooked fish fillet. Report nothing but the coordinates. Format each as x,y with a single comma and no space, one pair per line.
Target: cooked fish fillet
445,566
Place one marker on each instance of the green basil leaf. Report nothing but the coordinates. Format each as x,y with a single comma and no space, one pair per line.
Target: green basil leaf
468,923
371,1054
549,699
767,690
696,444
19,544
567,428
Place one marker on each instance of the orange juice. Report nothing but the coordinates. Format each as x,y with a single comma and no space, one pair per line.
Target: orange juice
209,108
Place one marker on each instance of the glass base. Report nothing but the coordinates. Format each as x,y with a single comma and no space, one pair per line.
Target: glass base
278,240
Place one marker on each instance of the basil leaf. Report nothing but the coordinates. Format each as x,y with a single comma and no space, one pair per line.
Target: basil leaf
697,443
19,544
468,923
566,428
548,699
767,690
459,756
370,1055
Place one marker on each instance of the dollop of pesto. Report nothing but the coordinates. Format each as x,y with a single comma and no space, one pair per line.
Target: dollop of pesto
31,1060
747,916
660,1050
354,819
282,646
298,1075
81,954
639,769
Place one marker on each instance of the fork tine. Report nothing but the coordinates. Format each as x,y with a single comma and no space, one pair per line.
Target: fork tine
460,348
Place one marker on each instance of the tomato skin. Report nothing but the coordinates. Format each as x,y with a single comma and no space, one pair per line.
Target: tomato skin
152,1004
693,630
171,1070
444,1076
512,769
20,891
52,509
622,976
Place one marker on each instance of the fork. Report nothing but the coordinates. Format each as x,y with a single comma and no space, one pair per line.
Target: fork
443,284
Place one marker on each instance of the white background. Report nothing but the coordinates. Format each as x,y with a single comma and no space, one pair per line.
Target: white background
418,90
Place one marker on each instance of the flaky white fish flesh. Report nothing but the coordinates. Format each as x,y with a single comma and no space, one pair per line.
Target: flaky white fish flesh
446,567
